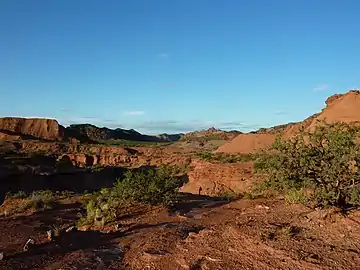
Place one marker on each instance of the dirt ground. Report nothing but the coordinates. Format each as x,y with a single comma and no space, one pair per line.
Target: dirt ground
198,233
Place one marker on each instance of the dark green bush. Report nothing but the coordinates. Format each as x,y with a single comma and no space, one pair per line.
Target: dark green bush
325,162
152,186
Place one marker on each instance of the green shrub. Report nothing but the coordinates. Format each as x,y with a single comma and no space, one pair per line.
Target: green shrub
228,195
38,200
325,161
296,196
153,186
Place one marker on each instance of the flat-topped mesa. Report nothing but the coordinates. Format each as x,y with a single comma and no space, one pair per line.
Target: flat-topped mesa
37,128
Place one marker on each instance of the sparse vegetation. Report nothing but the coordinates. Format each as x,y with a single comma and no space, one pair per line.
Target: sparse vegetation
40,200
36,201
249,195
325,162
225,157
18,195
152,186
128,143
6,148
204,139
97,168
228,195
42,193
290,231
280,230
296,196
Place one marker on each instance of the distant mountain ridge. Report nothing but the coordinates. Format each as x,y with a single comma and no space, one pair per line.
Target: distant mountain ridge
50,129
94,133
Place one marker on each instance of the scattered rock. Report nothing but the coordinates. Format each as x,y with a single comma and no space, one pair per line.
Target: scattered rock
183,263
71,229
101,262
212,259
49,234
1,256
29,244
262,207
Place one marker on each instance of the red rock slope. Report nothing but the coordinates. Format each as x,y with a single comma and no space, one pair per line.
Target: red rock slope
247,143
339,108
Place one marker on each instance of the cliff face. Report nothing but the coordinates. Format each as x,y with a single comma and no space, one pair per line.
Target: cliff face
35,128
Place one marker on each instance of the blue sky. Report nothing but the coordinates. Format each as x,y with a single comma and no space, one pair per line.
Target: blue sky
174,66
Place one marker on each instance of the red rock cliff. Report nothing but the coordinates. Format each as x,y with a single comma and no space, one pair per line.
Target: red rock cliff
47,129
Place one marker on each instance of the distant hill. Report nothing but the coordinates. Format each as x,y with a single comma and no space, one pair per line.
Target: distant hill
93,133
50,129
210,134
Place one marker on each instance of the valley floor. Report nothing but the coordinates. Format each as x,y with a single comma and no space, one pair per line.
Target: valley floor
199,233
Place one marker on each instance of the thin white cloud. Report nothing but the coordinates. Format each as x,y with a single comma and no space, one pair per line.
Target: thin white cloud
134,113
321,87
65,110
280,112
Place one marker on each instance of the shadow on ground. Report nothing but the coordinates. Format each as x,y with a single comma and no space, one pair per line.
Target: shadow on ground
39,172
88,245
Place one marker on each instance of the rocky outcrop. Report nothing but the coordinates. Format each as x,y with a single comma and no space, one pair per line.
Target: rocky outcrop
217,178
210,134
170,137
36,128
82,160
9,137
339,108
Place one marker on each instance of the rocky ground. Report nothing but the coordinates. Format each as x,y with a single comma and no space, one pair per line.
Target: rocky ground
202,233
